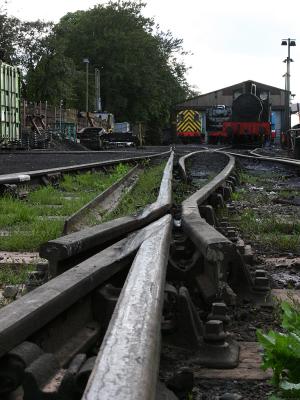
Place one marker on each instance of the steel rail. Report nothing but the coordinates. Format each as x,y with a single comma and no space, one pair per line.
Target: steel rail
29,175
290,162
224,263
128,361
126,149
23,317
212,243
182,160
256,154
202,194
79,214
52,305
72,245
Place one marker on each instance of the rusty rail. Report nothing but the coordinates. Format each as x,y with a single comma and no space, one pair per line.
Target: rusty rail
64,251
127,364
220,254
44,334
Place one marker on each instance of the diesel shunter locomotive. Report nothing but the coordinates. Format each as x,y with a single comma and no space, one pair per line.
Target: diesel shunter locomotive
189,125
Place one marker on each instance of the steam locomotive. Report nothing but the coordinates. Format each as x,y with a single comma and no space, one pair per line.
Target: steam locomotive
250,118
246,121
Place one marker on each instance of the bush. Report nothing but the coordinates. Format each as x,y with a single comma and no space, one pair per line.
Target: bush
282,353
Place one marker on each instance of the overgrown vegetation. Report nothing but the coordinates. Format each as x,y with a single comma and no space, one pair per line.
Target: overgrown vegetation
25,224
144,192
256,217
182,190
10,275
282,353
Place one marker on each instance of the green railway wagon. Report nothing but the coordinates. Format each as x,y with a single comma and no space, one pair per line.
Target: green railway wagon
9,104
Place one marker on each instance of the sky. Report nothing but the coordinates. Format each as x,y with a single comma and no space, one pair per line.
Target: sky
230,41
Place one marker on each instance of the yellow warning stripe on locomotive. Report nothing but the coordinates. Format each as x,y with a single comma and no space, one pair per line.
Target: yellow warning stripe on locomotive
188,121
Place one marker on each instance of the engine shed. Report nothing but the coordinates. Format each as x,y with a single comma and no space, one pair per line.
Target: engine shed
225,96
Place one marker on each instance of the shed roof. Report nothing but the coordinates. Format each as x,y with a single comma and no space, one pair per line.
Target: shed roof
228,91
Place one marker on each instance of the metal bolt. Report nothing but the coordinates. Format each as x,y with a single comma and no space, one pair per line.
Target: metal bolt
227,191
214,332
219,312
224,224
261,282
260,273
219,309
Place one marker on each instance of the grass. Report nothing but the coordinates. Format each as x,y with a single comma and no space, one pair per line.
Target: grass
144,192
270,230
10,275
260,178
26,220
288,193
181,190
261,225
28,237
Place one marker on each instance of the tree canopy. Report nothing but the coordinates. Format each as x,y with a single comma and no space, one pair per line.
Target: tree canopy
22,43
141,72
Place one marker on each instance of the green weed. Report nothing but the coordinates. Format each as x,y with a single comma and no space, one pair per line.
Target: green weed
13,211
288,193
45,195
144,192
28,237
23,218
238,195
10,275
282,352
181,191
270,230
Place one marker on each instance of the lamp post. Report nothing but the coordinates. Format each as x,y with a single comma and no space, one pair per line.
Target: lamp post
86,61
288,42
97,90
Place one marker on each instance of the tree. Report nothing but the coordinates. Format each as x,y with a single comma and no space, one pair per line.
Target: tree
9,30
50,80
141,76
23,44
32,43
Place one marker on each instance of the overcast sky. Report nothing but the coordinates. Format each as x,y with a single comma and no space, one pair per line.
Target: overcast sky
231,40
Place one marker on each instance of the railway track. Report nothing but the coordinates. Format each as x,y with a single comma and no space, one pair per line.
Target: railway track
139,298
45,165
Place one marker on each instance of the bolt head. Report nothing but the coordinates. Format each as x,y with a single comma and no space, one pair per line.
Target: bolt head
214,332
219,309
261,282
260,273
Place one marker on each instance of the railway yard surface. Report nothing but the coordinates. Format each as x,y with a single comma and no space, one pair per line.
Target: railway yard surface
12,162
149,273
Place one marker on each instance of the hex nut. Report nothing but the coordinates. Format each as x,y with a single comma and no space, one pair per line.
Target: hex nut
214,332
